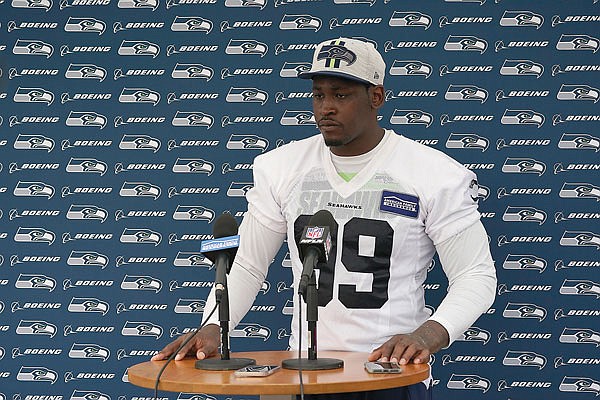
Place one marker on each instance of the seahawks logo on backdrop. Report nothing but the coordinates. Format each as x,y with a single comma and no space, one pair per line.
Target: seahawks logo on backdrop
465,43
468,382
410,19
411,68
578,42
524,310
88,395
578,92
141,328
137,282
192,259
138,4
189,306
251,331
89,351
292,69
88,305
524,359
192,396
87,258
580,287
579,385
239,46
473,334
334,53
45,4
37,374
580,238
579,191
580,336
36,327
521,68
521,19
247,3
524,261
579,141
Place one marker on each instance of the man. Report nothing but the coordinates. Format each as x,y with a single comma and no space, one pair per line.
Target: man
395,202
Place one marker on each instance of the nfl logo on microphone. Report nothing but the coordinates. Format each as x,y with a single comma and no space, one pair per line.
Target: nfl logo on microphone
314,232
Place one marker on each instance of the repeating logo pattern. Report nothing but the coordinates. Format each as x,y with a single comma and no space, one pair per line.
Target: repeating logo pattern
128,126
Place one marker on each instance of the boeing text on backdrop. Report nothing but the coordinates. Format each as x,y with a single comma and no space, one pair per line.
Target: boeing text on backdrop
395,203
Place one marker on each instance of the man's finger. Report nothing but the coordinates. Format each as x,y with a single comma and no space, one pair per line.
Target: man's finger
166,351
184,351
375,355
406,354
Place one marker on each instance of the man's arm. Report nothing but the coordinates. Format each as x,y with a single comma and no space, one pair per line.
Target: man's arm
258,247
468,264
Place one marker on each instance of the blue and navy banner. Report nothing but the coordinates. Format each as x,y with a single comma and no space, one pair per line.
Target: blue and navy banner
128,126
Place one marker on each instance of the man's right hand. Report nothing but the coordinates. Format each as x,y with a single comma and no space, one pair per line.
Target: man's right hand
204,344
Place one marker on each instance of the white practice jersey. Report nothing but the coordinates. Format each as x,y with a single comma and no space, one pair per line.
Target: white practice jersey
407,199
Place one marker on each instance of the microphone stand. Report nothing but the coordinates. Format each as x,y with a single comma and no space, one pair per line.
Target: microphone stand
225,363
312,363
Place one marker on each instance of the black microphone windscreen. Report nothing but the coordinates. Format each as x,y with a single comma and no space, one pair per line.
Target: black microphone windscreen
322,218
225,225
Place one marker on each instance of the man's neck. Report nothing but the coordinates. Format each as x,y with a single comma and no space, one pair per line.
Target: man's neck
363,145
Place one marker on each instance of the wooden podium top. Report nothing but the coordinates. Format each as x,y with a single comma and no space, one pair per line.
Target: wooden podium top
182,376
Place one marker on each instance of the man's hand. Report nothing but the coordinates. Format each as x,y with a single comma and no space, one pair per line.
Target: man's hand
204,344
415,347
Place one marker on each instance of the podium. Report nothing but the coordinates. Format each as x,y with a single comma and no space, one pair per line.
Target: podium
181,376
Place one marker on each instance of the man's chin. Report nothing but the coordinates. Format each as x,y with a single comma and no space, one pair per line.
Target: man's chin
334,142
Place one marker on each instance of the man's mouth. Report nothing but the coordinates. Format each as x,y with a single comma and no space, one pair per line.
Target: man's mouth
327,123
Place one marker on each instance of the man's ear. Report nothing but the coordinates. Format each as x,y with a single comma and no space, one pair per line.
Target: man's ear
377,96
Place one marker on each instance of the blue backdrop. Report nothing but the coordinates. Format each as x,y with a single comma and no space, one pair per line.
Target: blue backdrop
127,126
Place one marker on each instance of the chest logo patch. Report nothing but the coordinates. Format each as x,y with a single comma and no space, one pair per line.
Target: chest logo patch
399,203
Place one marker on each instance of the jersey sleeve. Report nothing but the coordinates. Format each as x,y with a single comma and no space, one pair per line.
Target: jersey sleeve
258,246
468,264
452,204
264,198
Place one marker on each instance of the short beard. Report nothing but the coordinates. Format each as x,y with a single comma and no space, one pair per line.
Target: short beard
334,143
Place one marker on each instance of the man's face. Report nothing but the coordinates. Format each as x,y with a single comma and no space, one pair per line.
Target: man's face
343,111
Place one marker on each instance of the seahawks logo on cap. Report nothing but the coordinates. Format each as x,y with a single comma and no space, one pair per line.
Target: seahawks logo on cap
334,53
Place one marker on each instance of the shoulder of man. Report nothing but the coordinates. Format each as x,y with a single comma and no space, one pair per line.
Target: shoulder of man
426,157
294,150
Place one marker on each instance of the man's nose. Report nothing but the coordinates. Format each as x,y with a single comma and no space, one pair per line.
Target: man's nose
328,106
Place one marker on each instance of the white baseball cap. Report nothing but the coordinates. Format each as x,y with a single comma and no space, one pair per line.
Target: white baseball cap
347,58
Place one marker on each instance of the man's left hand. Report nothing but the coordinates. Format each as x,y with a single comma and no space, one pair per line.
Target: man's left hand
413,347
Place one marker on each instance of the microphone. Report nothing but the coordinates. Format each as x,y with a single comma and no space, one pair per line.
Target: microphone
221,250
314,245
